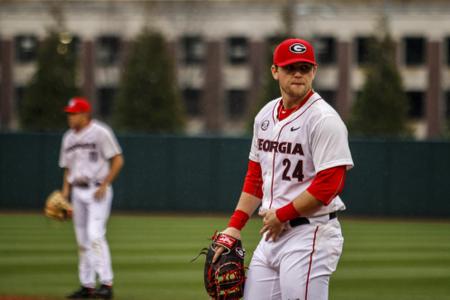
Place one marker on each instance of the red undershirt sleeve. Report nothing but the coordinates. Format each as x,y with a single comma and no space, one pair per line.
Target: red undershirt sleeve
253,180
328,184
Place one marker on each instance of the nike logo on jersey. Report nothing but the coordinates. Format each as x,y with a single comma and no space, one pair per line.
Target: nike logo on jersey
295,128
279,147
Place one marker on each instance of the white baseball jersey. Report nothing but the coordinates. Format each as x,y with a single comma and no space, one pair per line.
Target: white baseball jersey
292,151
86,153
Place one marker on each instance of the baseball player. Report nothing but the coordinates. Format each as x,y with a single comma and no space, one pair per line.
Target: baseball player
91,158
298,160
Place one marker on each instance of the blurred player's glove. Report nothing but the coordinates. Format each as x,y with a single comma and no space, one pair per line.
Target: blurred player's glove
224,279
57,207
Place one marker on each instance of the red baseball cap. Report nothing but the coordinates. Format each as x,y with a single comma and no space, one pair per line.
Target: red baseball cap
78,105
291,51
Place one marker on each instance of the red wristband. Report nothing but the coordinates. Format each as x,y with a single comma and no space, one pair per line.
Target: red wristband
287,212
238,219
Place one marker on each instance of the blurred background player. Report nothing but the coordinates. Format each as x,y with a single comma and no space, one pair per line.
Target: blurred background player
298,160
92,159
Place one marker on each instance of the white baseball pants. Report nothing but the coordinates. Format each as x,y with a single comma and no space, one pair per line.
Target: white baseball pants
298,265
90,219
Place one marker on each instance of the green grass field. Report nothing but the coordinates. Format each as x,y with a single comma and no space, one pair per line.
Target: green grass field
389,260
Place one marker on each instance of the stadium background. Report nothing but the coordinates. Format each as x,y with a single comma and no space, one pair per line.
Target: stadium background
219,50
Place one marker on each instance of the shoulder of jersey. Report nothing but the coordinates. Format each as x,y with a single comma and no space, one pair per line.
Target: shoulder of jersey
69,132
101,126
322,106
267,108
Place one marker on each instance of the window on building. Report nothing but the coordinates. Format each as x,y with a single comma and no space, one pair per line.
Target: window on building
236,103
194,49
19,95
416,104
237,50
447,108
107,50
414,51
26,48
363,44
448,50
105,98
325,48
357,94
273,41
328,95
192,99
75,44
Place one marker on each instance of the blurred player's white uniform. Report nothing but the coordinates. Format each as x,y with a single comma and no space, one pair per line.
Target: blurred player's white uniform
86,155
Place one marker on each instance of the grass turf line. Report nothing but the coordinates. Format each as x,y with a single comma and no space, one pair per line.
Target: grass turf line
381,260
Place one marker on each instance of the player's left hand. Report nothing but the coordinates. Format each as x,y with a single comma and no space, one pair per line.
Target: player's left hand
271,225
229,231
100,192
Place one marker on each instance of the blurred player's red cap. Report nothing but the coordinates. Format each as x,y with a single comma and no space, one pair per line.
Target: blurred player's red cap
78,105
291,51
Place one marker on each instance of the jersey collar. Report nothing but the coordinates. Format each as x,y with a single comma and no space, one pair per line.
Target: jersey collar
278,111
84,129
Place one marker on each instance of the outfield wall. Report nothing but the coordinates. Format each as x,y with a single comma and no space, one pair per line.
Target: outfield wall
168,173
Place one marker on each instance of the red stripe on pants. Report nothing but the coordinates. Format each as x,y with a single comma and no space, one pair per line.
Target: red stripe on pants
310,262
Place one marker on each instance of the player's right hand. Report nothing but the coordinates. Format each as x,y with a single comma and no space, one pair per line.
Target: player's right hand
271,225
100,192
230,231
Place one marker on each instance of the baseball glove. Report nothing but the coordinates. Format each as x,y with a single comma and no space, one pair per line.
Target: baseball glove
57,207
224,279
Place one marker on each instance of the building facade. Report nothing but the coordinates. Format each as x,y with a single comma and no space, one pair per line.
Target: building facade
220,50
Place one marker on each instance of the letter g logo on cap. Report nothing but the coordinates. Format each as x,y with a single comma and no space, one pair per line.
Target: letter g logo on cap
297,48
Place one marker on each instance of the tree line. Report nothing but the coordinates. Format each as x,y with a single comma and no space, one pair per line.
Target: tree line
149,100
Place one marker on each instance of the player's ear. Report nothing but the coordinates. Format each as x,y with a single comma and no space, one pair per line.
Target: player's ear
274,70
314,72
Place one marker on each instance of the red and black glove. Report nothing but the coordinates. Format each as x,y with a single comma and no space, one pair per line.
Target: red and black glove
224,279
